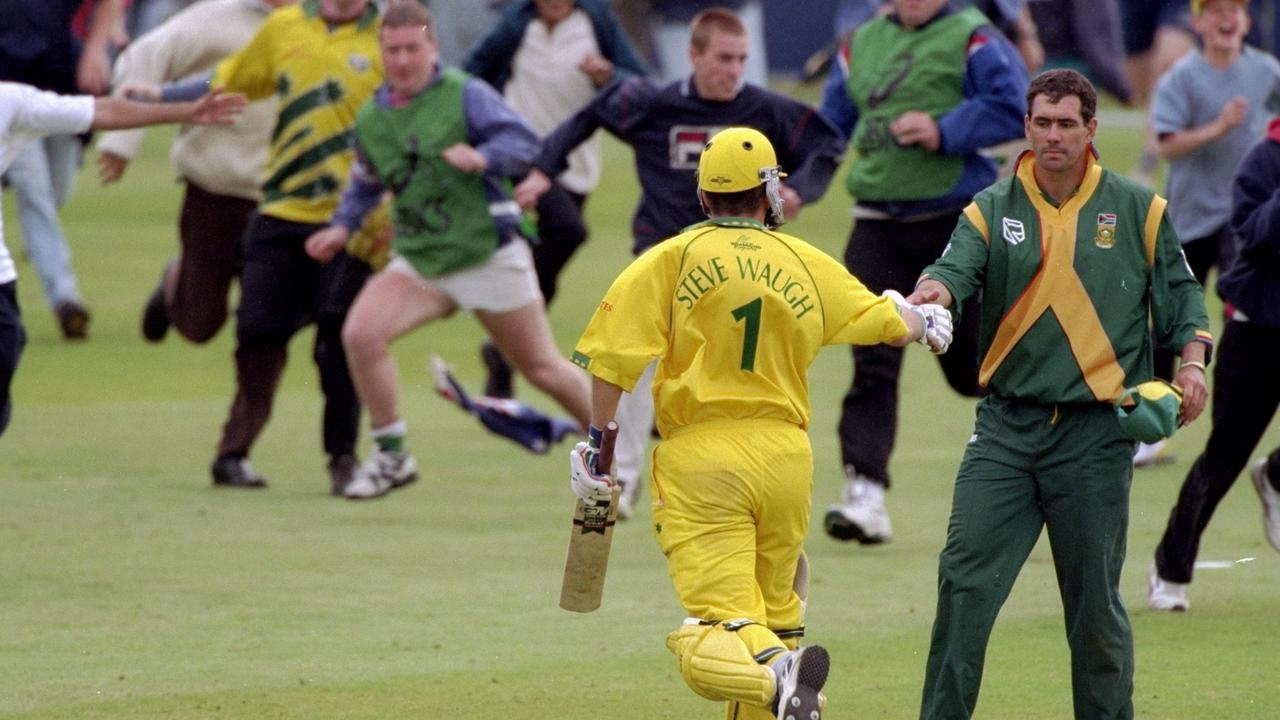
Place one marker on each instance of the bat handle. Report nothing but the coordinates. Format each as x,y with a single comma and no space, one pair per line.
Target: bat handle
604,460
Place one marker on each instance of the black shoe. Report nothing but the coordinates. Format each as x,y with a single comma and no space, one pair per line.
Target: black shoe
342,468
500,383
73,318
235,471
155,315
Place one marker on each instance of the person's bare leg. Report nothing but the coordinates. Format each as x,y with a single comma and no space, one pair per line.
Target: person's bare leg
389,306
524,337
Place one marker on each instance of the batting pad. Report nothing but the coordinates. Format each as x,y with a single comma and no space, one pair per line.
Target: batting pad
716,664
511,419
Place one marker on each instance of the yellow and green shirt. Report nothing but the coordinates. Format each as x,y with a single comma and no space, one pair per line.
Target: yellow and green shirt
735,313
1067,288
322,76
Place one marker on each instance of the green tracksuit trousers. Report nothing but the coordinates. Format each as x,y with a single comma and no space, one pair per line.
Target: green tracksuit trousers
1030,465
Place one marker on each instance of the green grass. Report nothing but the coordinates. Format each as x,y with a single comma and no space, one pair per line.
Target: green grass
131,589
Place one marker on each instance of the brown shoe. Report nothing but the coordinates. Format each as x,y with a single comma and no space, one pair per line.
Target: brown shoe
342,468
73,318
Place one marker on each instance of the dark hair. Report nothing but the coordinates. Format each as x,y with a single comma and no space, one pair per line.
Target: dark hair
1057,84
408,13
743,203
716,19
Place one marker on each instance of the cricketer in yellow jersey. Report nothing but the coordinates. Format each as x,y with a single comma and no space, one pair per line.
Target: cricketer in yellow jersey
735,312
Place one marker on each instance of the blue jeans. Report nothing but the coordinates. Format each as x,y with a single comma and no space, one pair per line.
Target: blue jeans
41,178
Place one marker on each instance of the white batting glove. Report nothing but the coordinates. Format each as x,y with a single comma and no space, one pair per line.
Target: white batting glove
935,322
937,327
590,487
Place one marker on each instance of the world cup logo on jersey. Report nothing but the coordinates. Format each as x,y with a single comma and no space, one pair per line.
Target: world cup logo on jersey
1106,237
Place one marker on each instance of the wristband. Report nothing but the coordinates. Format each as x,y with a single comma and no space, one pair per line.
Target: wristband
595,436
1191,363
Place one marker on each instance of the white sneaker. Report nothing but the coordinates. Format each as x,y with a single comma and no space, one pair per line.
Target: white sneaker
1164,595
1270,500
800,676
628,498
1149,454
861,514
380,474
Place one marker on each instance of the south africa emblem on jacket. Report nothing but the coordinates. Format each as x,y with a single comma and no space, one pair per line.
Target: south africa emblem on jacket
1106,237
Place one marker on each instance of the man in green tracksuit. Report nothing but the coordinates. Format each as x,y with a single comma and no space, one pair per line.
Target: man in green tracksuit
1071,260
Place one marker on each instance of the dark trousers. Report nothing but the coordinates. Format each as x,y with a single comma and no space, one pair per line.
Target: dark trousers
281,291
1246,392
887,255
560,233
12,339
212,230
1218,248
1032,466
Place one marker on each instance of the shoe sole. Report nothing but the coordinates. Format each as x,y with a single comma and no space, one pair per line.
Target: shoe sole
394,486
841,528
240,485
1260,485
805,701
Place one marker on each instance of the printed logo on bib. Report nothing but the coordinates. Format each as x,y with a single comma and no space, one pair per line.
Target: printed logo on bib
685,143
1106,237
1012,230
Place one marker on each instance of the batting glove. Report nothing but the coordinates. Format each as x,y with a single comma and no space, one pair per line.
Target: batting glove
590,486
937,327
935,322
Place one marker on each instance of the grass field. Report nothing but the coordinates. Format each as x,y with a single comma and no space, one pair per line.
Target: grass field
129,588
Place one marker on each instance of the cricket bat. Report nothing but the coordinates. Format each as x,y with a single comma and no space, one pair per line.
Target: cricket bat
589,540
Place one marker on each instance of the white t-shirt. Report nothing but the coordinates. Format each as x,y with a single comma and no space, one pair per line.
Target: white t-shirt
546,87
27,114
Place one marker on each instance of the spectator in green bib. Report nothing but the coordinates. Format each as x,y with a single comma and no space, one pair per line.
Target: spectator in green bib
446,146
919,91
1071,261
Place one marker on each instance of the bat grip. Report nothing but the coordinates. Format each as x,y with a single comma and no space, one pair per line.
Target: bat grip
604,459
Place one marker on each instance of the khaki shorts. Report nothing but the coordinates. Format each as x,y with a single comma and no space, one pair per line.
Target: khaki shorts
504,282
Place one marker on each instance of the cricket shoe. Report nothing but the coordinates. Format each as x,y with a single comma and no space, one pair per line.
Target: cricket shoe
801,674
235,471
1152,454
1270,500
860,515
628,498
383,472
1166,596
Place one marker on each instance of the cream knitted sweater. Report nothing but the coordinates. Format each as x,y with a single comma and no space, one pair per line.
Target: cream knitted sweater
226,160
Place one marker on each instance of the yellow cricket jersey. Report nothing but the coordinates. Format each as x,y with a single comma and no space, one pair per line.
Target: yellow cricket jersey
735,313
322,76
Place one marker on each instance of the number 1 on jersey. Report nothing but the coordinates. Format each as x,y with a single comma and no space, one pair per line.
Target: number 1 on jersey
750,313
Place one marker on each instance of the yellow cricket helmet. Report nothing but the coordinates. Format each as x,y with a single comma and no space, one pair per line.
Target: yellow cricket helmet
738,159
